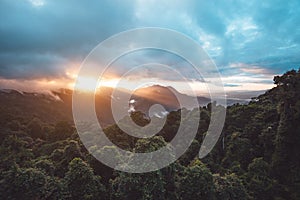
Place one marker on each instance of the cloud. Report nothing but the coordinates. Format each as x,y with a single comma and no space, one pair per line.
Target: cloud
151,63
250,69
33,32
32,66
235,31
231,85
42,38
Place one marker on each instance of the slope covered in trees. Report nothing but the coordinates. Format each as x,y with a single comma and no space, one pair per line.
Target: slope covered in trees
256,157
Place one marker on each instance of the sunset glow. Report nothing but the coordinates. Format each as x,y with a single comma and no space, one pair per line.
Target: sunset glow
86,83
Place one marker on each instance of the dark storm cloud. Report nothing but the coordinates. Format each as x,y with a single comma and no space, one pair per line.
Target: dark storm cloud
39,40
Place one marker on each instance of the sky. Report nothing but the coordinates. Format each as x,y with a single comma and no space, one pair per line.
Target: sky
44,42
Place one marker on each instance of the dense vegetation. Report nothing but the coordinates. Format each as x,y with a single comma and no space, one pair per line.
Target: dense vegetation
257,156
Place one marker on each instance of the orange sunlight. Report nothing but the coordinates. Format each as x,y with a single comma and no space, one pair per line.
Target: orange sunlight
86,84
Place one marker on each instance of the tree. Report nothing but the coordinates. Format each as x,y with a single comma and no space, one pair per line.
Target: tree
190,154
45,165
285,160
35,128
71,151
139,118
149,185
81,182
14,125
229,187
138,186
62,131
238,149
14,150
284,143
23,183
196,182
99,168
259,182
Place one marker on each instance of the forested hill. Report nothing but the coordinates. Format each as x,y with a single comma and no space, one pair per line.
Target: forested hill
256,157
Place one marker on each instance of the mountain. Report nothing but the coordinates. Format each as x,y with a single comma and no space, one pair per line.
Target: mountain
25,105
57,105
256,157
168,97
140,100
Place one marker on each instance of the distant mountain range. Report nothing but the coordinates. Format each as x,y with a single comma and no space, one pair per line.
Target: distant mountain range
57,105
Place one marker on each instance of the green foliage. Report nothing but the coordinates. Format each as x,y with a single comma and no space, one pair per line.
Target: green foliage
229,187
35,128
14,125
258,178
150,145
13,150
20,183
190,154
81,181
62,131
99,168
139,118
256,157
71,151
239,149
138,186
285,160
45,165
196,182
